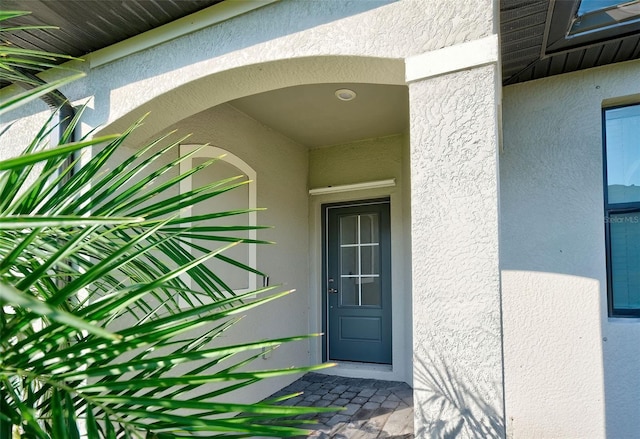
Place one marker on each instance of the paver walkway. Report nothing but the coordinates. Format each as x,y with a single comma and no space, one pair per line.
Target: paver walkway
373,409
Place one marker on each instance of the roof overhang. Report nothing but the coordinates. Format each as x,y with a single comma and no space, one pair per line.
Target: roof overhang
542,38
538,38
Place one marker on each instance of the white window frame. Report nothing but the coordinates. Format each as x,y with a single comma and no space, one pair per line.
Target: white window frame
210,152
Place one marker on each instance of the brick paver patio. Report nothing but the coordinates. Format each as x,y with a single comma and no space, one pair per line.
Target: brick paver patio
373,408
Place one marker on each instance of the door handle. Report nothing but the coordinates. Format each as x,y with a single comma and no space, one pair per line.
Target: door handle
332,291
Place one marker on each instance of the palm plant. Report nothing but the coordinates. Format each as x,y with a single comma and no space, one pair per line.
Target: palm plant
85,250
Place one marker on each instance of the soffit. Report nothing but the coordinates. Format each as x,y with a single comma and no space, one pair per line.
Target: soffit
89,25
535,43
84,26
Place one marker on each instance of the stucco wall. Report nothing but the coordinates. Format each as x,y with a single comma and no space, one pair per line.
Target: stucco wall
367,160
327,41
570,371
456,289
281,167
297,42
294,30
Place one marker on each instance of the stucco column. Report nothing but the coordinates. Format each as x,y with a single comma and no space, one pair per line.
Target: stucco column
457,338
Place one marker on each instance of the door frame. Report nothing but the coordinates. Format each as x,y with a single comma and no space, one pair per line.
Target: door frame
324,208
401,368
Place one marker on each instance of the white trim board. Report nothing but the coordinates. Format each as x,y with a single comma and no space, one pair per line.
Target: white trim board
451,59
212,152
353,187
199,20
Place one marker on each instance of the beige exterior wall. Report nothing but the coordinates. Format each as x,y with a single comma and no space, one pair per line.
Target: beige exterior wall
457,338
363,161
300,42
570,371
281,174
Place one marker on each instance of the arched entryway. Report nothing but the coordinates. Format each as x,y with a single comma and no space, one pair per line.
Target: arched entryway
308,148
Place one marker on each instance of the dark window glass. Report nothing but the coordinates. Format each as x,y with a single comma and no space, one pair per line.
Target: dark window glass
622,208
587,6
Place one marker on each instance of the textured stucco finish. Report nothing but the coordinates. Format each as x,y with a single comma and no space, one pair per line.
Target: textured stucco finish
453,120
293,30
21,131
290,43
367,160
456,286
281,168
570,371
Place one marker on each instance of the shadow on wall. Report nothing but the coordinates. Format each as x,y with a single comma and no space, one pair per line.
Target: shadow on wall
457,409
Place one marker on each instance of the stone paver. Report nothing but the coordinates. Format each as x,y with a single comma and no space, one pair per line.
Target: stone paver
372,408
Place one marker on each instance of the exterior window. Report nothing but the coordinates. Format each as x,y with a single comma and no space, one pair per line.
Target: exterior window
622,208
587,6
243,197
598,15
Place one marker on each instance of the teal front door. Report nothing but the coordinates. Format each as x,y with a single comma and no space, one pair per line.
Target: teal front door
357,284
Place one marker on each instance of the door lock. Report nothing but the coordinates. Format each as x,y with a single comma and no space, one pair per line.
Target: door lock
333,291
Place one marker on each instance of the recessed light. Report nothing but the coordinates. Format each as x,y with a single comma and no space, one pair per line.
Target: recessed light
344,94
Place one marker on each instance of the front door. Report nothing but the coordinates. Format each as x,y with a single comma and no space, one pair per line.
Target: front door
357,282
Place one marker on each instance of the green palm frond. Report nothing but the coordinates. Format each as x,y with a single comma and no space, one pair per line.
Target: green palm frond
111,322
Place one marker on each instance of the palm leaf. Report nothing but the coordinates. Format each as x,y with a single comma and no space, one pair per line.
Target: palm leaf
109,316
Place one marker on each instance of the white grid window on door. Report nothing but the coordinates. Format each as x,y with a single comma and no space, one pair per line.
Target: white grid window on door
360,260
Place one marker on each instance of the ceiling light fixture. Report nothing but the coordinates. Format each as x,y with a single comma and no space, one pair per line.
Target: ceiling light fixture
344,94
